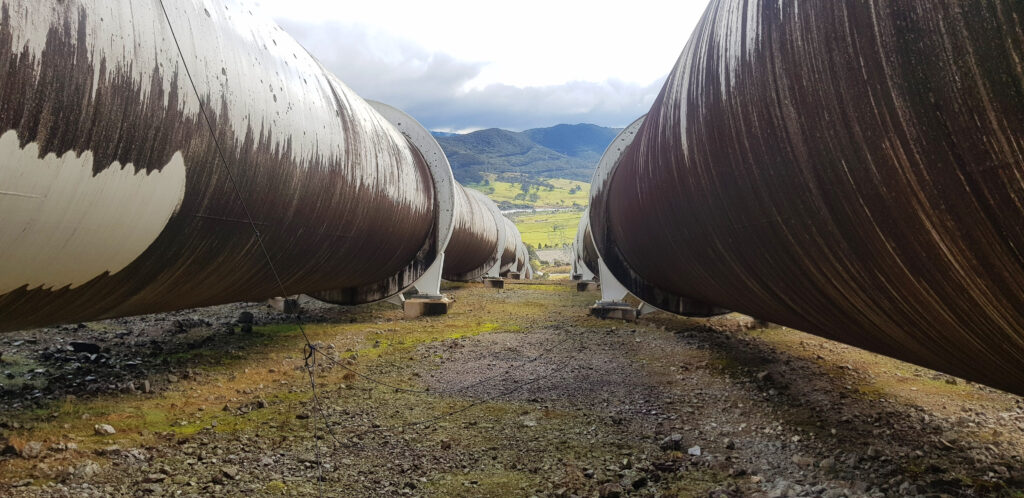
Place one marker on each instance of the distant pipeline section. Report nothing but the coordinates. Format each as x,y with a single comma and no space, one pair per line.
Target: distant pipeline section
481,242
139,147
515,258
476,245
851,169
585,258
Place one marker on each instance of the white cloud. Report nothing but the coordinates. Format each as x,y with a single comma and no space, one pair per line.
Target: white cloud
436,88
527,42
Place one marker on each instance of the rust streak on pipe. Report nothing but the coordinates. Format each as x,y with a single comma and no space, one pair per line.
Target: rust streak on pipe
474,243
97,111
854,169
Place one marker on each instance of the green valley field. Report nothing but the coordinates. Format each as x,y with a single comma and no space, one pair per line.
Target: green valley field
558,205
548,228
556,193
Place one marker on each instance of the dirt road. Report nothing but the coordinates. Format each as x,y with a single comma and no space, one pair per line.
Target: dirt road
515,393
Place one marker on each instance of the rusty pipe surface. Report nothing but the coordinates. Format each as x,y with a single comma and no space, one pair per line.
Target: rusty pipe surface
852,169
512,241
473,248
114,196
522,260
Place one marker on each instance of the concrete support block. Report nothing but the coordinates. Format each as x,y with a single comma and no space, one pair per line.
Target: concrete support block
586,286
494,283
615,311
286,305
415,307
514,275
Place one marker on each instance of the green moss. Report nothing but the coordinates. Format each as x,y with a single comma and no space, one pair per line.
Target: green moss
19,366
238,363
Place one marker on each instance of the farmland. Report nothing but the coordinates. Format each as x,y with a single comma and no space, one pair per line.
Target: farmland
555,193
548,228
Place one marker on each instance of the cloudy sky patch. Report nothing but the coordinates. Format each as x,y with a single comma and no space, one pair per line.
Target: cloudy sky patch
458,65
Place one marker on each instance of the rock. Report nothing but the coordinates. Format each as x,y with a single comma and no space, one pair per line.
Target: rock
730,444
155,478
87,470
640,482
230,472
84,347
262,403
104,429
802,461
151,488
32,449
781,489
764,376
109,450
852,459
874,452
172,378
908,489
673,442
22,483
246,317
184,324
137,454
145,387
610,490
694,451
827,464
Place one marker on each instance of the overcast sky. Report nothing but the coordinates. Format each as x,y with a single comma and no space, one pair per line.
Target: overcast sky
461,65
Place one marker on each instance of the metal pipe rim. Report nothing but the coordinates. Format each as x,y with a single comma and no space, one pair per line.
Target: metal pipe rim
608,251
444,219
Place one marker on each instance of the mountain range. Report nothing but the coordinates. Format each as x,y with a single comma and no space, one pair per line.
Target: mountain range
561,151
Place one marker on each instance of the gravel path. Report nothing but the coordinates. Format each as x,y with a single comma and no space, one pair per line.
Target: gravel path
516,393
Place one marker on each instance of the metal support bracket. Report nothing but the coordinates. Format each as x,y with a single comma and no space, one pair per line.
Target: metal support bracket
429,284
611,290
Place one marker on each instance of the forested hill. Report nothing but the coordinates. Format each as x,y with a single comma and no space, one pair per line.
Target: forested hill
561,151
